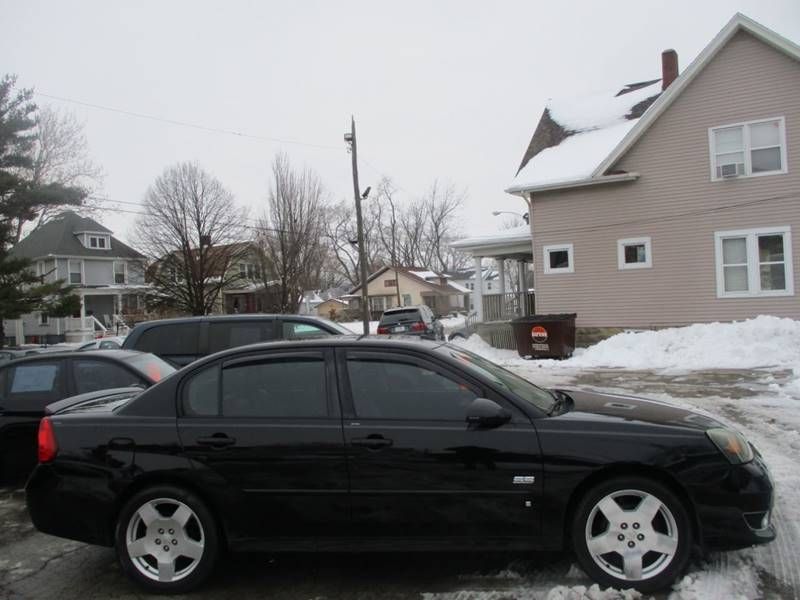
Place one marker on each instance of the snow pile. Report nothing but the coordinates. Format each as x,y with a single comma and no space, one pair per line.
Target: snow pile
581,592
734,579
450,324
761,342
756,343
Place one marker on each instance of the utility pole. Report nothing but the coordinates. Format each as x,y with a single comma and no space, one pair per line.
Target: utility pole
362,256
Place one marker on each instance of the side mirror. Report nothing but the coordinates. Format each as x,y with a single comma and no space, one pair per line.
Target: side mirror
483,413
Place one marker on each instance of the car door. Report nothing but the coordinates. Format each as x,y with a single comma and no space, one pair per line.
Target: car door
416,469
27,388
267,428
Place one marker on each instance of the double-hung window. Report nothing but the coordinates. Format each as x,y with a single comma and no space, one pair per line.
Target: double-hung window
558,259
75,271
120,272
754,262
748,149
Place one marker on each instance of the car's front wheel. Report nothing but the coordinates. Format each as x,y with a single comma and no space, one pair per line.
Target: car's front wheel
632,532
166,539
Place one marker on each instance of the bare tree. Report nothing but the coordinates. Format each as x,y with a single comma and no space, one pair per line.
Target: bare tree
290,236
60,156
341,240
194,234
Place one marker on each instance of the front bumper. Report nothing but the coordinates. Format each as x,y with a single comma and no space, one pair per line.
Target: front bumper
737,511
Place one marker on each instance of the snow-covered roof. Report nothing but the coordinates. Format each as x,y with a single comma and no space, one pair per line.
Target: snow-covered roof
504,237
574,136
426,274
577,142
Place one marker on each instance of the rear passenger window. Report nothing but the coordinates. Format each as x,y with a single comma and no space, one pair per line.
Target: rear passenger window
93,375
229,334
38,382
285,387
201,394
296,330
393,389
173,339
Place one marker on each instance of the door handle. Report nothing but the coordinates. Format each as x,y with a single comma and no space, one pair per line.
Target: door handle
372,442
218,440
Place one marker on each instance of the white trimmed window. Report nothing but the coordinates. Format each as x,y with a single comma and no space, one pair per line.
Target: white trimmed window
120,272
558,259
748,149
99,242
754,262
634,253
377,303
44,319
76,271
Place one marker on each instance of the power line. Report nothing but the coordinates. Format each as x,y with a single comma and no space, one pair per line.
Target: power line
261,138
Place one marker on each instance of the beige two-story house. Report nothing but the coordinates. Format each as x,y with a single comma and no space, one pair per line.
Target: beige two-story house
673,201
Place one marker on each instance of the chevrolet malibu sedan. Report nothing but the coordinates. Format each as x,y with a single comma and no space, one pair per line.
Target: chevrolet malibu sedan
376,444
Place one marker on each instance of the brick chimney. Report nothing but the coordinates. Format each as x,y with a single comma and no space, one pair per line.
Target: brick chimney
669,68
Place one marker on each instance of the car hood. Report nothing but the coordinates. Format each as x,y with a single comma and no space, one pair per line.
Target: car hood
616,408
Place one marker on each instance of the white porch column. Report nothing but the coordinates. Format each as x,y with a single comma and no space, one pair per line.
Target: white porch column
521,266
477,293
19,332
83,308
501,267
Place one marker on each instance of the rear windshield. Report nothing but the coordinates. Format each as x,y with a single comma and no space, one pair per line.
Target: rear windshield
401,316
151,367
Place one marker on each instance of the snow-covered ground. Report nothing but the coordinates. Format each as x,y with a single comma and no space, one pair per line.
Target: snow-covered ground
746,374
358,327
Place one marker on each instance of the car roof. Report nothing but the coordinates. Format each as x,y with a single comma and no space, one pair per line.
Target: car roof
395,342
115,354
403,308
236,317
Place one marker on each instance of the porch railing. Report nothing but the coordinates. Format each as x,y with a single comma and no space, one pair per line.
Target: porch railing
503,307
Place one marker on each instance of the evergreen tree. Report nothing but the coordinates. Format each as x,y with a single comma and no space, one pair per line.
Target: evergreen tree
21,290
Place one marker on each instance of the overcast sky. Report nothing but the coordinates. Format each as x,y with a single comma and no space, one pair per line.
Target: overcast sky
447,90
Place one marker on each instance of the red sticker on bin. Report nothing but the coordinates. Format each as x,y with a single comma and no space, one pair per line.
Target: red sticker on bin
538,334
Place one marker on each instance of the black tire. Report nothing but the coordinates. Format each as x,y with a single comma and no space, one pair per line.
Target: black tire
201,528
664,567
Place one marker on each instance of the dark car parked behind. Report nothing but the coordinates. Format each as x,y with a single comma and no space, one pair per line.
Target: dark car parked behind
184,340
29,384
371,444
411,320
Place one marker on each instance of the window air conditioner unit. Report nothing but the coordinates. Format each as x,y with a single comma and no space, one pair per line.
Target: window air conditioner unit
731,170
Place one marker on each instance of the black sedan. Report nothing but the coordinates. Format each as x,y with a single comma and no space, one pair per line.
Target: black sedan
388,444
29,384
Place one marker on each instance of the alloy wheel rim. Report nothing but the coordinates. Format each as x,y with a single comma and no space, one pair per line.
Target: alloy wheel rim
631,535
165,540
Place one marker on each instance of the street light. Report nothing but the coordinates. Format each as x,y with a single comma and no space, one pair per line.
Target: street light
497,213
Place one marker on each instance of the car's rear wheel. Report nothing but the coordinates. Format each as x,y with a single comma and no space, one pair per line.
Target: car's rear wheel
632,532
167,539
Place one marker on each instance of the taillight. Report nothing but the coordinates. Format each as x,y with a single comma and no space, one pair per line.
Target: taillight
48,447
418,326
383,330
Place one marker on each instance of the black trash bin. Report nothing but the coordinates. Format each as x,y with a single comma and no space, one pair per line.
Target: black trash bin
545,336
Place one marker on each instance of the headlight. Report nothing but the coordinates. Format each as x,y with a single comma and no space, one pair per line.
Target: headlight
732,444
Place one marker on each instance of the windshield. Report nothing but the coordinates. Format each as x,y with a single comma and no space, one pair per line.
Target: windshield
401,316
151,367
522,388
340,329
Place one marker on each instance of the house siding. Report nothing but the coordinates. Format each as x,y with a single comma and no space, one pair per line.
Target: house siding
676,204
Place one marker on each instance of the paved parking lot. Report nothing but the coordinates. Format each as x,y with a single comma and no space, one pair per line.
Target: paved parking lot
33,565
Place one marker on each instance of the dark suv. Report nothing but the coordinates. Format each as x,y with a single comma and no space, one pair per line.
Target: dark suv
411,320
183,341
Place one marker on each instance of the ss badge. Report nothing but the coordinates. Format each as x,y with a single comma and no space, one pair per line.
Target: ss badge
524,479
